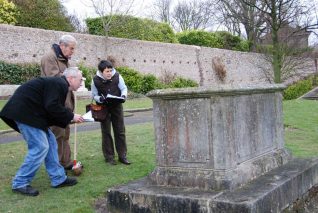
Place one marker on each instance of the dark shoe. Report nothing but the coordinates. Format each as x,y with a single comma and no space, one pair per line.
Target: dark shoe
69,167
27,190
124,161
111,161
70,181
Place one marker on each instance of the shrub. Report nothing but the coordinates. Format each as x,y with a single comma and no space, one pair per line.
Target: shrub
221,39
8,12
150,82
132,78
49,14
167,77
298,89
243,46
130,27
230,42
181,83
200,38
18,73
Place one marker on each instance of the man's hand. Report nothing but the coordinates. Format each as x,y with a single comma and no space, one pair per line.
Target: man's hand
123,96
78,118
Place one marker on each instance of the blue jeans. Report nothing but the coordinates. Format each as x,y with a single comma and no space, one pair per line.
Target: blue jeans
42,146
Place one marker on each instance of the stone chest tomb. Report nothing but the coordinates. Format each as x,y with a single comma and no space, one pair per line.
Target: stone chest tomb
218,149
217,138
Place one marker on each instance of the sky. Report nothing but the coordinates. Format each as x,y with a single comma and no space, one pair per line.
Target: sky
79,8
83,8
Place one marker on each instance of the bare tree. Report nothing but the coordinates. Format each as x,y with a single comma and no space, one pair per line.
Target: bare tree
193,15
279,14
237,13
162,11
77,23
292,63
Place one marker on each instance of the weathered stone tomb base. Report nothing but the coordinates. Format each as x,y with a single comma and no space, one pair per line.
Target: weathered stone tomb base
272,192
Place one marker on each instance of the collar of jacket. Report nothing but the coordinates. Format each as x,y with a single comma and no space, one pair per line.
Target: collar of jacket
68,84
58,52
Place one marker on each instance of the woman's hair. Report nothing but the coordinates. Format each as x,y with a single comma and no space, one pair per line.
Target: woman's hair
103,64
67,39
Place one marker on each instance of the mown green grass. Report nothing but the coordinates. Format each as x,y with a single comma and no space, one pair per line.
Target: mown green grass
97,177
301,127
301,138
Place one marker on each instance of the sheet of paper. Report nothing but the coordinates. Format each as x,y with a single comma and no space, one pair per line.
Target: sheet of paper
88,117
113,96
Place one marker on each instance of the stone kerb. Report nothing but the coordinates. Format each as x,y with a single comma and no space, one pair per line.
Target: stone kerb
7,90
217,138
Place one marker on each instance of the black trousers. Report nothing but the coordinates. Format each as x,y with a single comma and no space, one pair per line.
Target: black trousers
115,119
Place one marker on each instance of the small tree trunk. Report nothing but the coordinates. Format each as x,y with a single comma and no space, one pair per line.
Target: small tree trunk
314,82
277,59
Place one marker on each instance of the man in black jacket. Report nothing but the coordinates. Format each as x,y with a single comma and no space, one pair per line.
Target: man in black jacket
36,105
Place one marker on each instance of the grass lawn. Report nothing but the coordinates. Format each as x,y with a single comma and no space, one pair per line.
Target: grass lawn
301,137
301,127
94,181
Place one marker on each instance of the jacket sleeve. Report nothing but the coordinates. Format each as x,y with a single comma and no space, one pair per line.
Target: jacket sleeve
122,86
49,67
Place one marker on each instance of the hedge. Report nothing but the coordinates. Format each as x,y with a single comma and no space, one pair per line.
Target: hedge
18,73
299,88
221,39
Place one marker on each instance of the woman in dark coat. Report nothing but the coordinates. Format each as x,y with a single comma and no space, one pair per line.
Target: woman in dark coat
109,82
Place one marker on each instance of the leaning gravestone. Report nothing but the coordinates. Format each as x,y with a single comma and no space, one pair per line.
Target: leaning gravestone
218,150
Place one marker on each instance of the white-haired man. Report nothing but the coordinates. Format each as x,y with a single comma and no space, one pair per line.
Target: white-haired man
53,64
33,108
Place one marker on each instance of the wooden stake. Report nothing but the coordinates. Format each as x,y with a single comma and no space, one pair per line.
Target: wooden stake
75,132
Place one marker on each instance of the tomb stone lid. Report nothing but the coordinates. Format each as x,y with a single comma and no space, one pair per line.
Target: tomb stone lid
217,90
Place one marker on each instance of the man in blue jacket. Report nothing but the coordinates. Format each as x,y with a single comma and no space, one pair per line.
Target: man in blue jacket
33,108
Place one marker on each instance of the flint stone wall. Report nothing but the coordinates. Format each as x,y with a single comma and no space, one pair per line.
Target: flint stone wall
217,137
28,45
